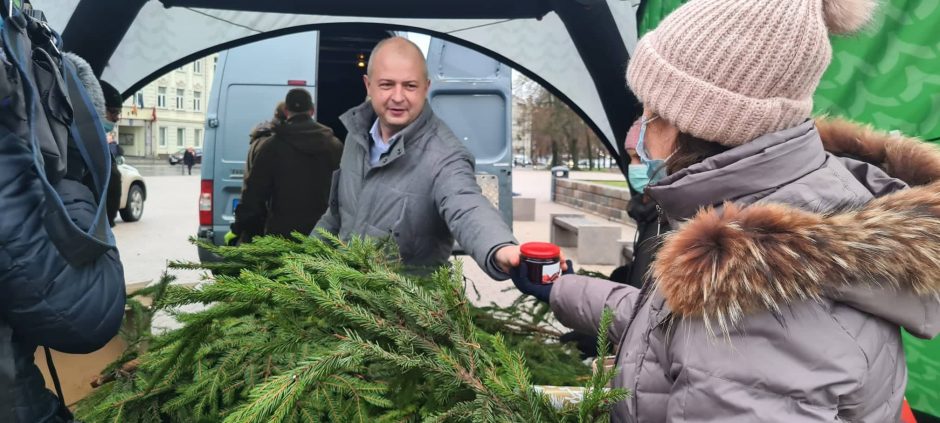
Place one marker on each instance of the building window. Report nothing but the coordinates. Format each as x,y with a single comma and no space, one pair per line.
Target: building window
126,139
197,67
197,101
197,137
139,99
161,97
162,136
215,63
179,99
180,137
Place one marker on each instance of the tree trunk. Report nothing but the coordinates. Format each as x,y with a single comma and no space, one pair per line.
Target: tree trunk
573,152
590,154
555,147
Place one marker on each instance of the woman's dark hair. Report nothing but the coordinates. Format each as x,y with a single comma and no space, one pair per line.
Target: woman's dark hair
691,150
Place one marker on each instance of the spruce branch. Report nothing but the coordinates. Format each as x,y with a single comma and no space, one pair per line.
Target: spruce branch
316,329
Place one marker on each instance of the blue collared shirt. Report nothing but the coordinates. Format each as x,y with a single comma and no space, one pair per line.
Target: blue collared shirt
379,146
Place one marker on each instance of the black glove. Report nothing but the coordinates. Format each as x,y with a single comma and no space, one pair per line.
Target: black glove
542,292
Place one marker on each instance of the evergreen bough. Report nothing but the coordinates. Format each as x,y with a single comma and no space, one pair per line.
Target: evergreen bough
312,329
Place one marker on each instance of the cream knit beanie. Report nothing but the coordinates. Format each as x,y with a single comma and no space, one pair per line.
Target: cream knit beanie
730,71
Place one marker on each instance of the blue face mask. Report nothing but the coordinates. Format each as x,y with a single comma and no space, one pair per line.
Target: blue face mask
107,125
638,177
655,168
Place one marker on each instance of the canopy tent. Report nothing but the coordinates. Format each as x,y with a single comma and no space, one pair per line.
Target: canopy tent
578,49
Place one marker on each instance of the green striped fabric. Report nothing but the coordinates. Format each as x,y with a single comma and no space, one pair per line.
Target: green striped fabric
889,76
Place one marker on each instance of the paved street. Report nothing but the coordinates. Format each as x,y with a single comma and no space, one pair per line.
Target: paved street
171,217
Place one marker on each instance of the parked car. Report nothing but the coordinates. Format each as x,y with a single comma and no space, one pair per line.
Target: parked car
133,192
177,157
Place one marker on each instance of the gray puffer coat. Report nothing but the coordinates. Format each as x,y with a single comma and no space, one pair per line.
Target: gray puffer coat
781,296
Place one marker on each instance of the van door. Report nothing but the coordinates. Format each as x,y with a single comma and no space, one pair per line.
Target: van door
472,93
249,82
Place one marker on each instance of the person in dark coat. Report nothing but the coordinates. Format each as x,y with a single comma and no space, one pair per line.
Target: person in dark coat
48,301
289,184
643,211
112,104
260,134
189,159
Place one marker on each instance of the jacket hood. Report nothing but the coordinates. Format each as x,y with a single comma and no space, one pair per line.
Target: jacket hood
304,134
87,77
262,130
882,257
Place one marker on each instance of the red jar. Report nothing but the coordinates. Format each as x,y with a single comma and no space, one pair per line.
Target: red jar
543,261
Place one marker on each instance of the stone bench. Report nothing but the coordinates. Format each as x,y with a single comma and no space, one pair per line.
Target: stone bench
626,251
597,242
523,209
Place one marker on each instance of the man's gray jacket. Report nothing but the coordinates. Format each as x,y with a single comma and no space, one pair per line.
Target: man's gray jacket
423,193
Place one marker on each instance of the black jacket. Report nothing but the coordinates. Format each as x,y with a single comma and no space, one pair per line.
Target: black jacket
189,158
643,211
289,184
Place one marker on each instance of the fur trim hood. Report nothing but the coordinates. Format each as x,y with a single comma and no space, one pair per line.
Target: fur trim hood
764,256
87,77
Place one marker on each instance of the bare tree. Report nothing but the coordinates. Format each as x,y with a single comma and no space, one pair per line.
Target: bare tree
556,130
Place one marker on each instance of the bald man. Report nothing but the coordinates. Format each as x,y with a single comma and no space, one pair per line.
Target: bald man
404,175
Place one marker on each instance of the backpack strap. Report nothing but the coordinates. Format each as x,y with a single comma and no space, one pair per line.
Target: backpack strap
89,138
75,245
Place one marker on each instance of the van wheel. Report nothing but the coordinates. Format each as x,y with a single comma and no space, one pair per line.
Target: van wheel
135,205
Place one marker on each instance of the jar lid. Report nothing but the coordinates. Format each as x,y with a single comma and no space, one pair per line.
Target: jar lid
540,250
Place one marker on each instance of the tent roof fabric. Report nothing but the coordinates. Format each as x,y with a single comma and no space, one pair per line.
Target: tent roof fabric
578,49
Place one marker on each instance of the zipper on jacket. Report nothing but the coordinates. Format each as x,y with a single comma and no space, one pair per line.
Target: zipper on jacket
660,219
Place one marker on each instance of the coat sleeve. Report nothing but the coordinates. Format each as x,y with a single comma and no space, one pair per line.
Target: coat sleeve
578,302
330,221
471,218
259,184
46,300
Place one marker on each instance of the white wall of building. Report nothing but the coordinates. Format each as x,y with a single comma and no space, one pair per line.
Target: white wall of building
169,114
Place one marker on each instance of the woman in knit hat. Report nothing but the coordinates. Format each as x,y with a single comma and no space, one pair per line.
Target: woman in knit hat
800,246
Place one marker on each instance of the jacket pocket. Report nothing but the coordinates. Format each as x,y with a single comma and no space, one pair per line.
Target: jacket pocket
333,204
403,234
389,222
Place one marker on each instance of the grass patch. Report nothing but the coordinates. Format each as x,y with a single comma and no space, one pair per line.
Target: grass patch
618,184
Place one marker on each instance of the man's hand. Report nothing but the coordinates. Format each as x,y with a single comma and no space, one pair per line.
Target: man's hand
508,258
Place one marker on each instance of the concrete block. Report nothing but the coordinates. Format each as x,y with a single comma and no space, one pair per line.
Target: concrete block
598,244
523,209
626,251
561,236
